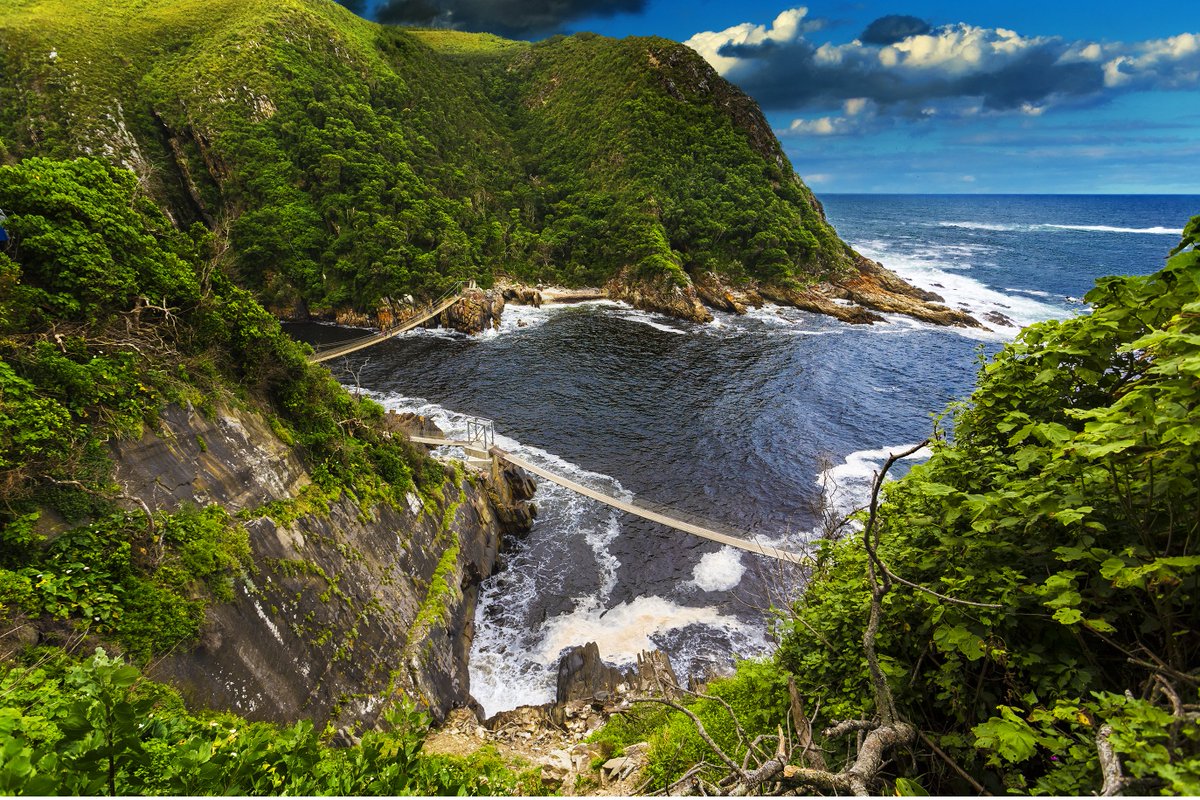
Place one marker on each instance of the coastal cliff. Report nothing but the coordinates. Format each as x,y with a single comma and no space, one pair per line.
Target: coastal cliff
348,603
353,170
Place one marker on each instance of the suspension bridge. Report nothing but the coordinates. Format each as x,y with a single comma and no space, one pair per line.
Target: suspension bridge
423,315
481,450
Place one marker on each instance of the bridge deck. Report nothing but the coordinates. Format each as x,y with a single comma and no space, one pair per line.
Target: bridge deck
360,344
622,505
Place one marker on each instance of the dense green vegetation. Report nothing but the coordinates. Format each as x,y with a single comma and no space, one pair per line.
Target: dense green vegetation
108,313
95,726
350,162
1068,503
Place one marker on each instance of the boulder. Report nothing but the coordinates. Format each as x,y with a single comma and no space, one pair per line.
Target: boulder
476,312
583,675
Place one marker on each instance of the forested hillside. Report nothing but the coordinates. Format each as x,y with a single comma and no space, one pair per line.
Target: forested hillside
115,328
347,162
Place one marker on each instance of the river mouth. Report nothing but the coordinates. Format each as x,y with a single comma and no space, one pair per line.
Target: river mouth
735,422
750,422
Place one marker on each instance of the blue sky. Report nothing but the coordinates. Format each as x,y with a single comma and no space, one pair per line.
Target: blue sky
927,95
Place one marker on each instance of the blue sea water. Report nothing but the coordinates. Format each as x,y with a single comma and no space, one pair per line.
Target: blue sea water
750,422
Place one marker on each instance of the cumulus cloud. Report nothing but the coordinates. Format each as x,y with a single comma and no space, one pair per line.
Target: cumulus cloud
894,28
904,69
513,18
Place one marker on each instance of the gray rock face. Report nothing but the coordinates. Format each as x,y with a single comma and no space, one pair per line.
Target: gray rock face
347,607
233,459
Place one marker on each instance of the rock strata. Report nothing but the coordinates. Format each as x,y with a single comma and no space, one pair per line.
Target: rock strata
348,603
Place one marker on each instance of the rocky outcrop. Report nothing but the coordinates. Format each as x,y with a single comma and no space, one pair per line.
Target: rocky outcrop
583,675
661,294
511,491
409,423
554,736
349,603
476,312
518,293
879,288
717,295
818,300
857,298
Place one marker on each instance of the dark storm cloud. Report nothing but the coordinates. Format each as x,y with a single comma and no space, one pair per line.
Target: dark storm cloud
790,75
894,28
512,18
903,69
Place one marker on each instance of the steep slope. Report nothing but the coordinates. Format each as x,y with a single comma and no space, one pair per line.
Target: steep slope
350,163
177,482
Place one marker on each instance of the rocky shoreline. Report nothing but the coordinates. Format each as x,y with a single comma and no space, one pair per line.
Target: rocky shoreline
552,737
860,298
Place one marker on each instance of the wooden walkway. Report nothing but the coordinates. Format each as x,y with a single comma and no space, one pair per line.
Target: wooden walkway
739,542
367,341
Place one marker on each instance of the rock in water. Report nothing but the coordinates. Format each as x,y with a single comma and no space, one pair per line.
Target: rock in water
582,675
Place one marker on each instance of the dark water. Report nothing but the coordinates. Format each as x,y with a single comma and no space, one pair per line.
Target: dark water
735,422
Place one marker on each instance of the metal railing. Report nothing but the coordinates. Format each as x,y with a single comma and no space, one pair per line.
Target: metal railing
481,432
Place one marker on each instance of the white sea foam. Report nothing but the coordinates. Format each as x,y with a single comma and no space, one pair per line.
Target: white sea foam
980,226
847,486
719,571
626,629
1157,230
657,321
965,293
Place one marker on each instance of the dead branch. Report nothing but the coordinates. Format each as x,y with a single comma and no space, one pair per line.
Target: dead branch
770,769
938,595
1110,764
809,752
708,740
849,726
885,704
1166,670
950,762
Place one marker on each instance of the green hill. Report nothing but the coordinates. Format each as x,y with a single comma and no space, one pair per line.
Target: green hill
349,161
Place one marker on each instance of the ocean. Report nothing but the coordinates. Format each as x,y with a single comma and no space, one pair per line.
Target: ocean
755,423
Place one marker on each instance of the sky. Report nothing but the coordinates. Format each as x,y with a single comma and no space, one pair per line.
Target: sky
928,96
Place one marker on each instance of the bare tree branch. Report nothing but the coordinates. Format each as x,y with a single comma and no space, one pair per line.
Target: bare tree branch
1110,764
809,752
950,762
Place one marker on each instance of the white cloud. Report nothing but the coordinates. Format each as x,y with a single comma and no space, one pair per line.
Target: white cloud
957,49
787,27
855,105
949,72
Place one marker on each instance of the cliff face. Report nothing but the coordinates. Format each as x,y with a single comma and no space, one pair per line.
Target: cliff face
348,603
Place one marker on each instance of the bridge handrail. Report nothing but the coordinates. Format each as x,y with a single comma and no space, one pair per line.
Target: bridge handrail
667,516
333,349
